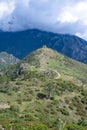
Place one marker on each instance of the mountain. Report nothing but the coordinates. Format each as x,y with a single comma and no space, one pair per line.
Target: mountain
7,59
24,42
49,59
44,91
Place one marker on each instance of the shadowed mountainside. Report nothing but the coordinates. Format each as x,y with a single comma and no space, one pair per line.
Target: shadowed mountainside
24,42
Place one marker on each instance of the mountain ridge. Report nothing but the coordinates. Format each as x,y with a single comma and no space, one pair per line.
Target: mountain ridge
24,42
49,58
7,60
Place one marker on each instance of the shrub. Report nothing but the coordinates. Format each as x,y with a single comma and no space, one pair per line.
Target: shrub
14,108
75,127
38,127
41,95
55,102
29,117
83,123
64,111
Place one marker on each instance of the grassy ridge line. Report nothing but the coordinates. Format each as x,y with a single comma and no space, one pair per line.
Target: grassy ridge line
50,59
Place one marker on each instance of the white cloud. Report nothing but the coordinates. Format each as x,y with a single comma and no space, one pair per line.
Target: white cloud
81,6
65,16
6,9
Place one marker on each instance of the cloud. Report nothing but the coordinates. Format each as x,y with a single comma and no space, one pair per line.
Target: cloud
65,16
6,8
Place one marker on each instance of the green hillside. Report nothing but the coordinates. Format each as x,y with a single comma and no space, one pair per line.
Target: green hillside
49,59
7,59
45,91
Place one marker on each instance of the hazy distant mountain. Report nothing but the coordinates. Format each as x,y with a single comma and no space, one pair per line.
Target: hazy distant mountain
22,43
7,59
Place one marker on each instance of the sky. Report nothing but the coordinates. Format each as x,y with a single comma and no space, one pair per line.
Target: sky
60,16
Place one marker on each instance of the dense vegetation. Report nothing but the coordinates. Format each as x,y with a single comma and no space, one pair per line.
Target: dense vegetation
38,94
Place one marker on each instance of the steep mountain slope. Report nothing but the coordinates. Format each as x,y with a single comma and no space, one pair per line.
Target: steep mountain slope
21,43
49,59
44,91
7,59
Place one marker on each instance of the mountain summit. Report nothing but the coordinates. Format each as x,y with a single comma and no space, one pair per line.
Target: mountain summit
50,59
24,42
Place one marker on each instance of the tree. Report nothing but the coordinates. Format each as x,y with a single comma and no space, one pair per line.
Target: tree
49,87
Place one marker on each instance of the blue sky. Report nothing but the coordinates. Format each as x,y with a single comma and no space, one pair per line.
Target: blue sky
61,16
